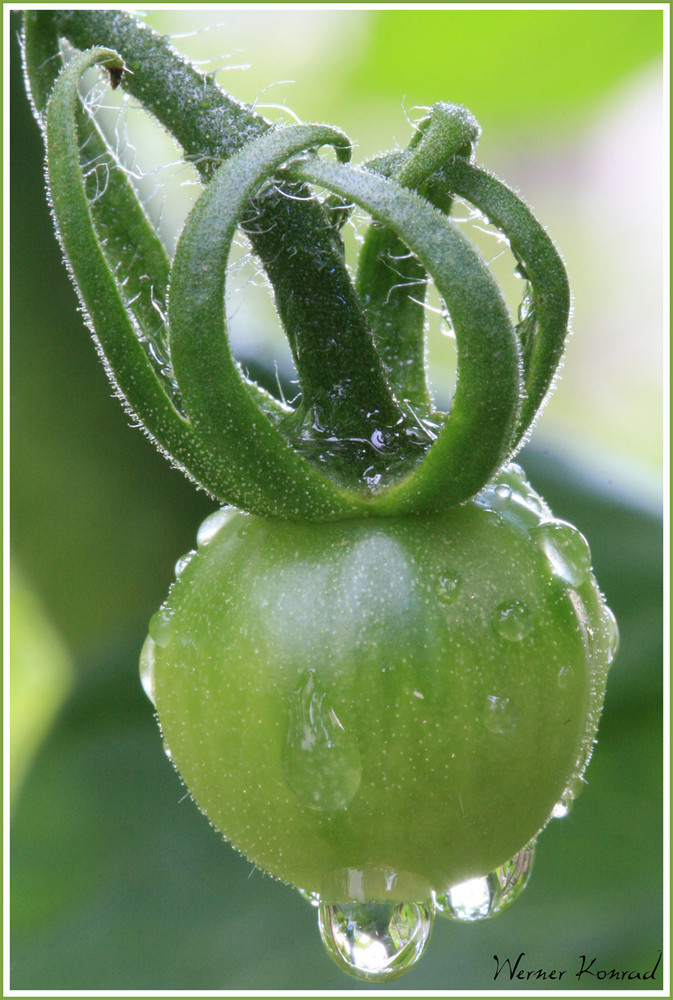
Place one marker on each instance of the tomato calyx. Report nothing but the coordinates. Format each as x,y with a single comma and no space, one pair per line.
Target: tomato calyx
363,438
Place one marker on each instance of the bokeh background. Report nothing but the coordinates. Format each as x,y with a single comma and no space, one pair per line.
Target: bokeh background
117,882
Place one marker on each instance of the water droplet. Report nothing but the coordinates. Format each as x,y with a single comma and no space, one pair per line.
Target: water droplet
212,524
147,667
566,549
375,942
167,751
183,562
564,676
311,897
612,633
161,626
501,715
321,761
481,898
570,793
379,440
503,491
513,620
562,807
447,588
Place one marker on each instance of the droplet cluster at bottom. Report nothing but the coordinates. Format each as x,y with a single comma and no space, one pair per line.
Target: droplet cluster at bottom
379,941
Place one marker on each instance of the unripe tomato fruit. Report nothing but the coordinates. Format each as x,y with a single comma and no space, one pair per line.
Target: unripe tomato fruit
383,708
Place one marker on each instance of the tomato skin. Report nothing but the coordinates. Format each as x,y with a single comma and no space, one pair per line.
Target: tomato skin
381,706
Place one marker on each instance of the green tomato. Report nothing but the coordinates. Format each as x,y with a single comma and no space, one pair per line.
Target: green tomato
378,710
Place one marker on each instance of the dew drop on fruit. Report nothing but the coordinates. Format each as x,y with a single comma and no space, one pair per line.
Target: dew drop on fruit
611,632
147,667
321,761
503,491
481,898
501,715
567,550
514,469
564,676
161,626
183,562
375,942
513,620
565,803
212,524
447,588
563,806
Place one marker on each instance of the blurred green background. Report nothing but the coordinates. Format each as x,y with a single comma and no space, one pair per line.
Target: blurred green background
117,882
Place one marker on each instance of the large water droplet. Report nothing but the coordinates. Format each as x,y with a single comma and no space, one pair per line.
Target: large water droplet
147,667
212,524
501,715
566,549
376,942
448,586
481,898
321,761
513,620
161,626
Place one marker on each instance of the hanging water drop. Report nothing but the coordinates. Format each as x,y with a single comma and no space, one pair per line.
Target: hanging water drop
321,761
212,524
375,942
481,898
566,549
513,620
147,667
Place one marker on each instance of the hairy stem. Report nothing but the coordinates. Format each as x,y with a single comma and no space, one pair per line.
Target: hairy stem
329,335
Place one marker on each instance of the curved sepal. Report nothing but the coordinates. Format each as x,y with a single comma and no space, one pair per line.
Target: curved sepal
262,471
544,329
103,301
391,281
477,435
